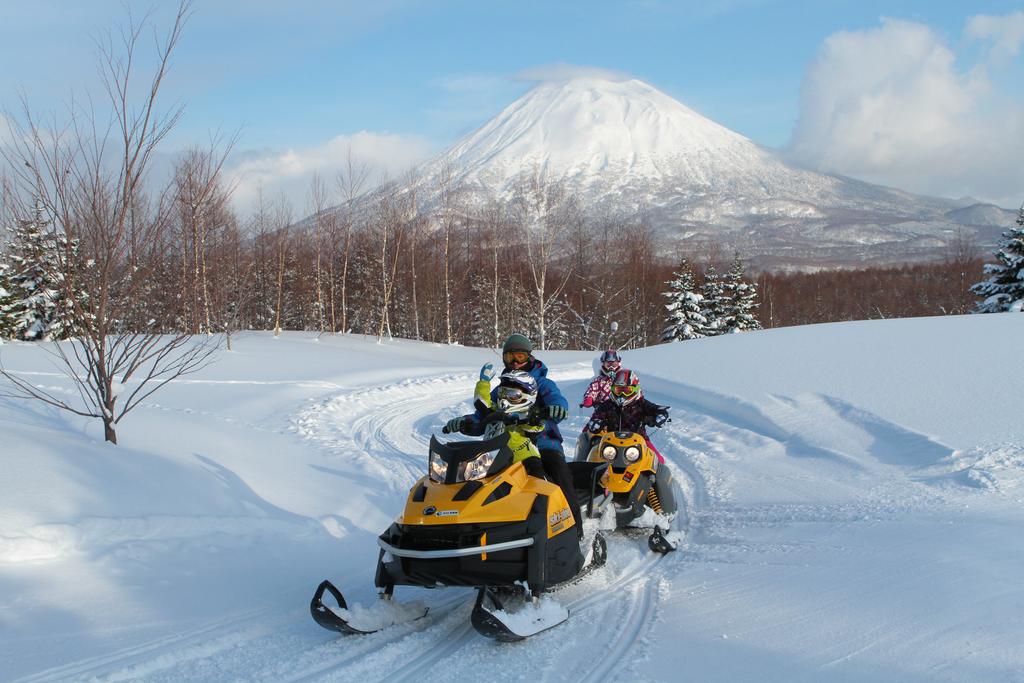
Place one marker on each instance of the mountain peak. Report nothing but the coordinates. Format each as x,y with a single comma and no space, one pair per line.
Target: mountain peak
587,126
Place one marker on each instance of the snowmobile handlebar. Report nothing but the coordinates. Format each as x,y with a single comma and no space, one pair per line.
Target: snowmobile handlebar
493,416
658,421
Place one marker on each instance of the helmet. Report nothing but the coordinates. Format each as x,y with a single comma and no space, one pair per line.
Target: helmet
625,387
517,392
517,342
610,362
517,348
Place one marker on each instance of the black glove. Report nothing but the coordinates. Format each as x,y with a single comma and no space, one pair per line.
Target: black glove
453,425
557,413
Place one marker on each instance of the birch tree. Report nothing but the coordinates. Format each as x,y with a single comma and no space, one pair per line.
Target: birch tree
318,203
351,183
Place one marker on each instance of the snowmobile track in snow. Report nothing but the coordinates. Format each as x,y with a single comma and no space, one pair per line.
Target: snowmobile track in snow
110,665
630,631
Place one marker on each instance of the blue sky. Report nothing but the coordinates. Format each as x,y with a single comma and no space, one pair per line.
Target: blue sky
303,79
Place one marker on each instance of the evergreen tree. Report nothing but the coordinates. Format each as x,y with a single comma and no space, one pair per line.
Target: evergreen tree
740,300
1004,289
713,302
684,319
36,280
7,303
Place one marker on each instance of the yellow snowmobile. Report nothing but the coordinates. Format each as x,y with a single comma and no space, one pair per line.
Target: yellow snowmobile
625,473
479,519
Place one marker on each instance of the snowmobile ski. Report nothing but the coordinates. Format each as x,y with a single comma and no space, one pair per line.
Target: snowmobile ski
494,621
658,543
340,618
509,627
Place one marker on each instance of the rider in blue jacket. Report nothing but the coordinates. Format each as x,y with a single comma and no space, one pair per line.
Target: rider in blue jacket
517,354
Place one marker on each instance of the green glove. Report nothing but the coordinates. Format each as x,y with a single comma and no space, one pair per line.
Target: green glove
557,413
454,425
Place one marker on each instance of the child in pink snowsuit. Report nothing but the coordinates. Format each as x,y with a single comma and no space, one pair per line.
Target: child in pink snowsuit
600,389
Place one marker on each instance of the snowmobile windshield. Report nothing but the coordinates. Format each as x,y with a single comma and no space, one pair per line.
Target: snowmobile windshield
457,461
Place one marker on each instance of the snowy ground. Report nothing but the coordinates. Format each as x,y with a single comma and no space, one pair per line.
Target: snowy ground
854,505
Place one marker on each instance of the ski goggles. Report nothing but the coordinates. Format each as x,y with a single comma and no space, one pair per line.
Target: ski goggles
610,365
512,395
625,390
515,356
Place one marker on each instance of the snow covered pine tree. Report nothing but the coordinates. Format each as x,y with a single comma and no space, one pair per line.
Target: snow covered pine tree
713,303
7,302
684,320
740,300
35,281
1004,289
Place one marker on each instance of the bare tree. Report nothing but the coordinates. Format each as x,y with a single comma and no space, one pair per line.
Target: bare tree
961,258
89,177
282,220
414,226
351,182
235,267
448,217
390,224
494,224
544,211
318,202
202,202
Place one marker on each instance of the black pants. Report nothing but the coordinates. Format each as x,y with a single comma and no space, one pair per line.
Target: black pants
558,472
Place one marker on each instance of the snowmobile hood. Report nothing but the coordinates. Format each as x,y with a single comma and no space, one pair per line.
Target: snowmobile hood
624,471
508,496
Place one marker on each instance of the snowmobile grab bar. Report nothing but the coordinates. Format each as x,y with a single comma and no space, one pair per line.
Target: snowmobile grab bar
453,552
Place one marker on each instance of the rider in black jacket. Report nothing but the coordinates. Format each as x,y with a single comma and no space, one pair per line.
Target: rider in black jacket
627,410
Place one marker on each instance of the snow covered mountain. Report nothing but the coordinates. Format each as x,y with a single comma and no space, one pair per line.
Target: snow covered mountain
624,146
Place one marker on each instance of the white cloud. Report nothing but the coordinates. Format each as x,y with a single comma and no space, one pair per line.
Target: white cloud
290,172
892,105
567,72
1005,33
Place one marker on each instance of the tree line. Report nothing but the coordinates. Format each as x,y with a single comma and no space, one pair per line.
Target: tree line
463,274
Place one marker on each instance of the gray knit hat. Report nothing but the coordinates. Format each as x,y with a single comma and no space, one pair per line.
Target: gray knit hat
517,342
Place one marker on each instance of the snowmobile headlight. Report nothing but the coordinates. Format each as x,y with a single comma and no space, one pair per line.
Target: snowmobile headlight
437,470
477,467
632,454
608,453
